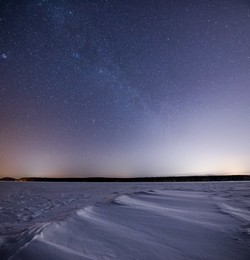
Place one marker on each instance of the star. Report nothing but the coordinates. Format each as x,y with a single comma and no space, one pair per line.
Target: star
4,56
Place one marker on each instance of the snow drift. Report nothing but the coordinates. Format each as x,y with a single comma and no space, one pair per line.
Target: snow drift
193,221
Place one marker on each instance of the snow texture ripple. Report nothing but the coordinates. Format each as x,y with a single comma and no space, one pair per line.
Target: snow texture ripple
127,221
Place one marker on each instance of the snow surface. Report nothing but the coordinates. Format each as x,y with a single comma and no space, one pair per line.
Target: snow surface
125,220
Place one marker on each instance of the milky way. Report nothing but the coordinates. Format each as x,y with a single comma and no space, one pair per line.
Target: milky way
134,87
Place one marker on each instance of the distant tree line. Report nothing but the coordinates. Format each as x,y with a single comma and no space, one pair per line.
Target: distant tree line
138,179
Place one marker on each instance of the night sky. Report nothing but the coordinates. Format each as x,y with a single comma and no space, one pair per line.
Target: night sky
124,88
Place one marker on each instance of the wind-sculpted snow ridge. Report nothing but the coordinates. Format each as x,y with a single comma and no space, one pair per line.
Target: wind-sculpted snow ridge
192,221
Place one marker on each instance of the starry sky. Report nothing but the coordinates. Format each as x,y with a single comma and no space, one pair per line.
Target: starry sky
124,88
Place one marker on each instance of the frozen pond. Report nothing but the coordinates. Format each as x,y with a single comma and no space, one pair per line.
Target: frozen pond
125,220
